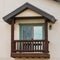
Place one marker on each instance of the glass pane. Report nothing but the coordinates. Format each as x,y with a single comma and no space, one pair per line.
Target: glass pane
27,32
38,32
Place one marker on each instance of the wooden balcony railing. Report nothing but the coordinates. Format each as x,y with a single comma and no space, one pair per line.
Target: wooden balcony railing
30,46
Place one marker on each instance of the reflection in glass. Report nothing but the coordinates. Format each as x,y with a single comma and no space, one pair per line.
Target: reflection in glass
38,32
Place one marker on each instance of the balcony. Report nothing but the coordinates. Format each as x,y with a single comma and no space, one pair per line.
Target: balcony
31,48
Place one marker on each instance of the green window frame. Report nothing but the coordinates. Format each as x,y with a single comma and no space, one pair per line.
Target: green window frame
31,24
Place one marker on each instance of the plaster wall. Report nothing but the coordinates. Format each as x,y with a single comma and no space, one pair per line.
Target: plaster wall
49,6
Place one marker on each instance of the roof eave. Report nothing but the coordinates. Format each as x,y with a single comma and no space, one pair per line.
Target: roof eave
29,6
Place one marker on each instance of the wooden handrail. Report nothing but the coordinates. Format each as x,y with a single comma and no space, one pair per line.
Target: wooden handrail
31,41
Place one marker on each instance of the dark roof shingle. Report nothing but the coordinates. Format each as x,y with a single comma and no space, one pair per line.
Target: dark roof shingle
28,6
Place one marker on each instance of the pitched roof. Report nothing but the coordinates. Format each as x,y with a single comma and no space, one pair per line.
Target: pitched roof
8,17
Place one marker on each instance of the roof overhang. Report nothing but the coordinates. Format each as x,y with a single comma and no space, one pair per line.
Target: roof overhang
8,17
57,0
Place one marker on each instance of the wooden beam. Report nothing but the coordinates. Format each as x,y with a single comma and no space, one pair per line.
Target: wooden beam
46,30
30,17
30,55
46,36
12,36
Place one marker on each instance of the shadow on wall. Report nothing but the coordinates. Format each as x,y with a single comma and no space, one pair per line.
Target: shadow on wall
37,59
57,0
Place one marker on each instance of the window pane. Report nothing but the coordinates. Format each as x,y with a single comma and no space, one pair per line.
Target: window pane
38,32
27,35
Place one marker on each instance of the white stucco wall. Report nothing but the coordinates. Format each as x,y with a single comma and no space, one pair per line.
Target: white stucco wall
51,7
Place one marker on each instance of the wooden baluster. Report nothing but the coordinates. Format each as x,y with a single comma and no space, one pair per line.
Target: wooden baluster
23,48
40,46
30,47
17,46
43,47
35,46
20,46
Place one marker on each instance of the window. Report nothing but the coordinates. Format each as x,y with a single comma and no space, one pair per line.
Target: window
32,31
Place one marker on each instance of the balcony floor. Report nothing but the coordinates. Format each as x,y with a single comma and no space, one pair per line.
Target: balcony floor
32,55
